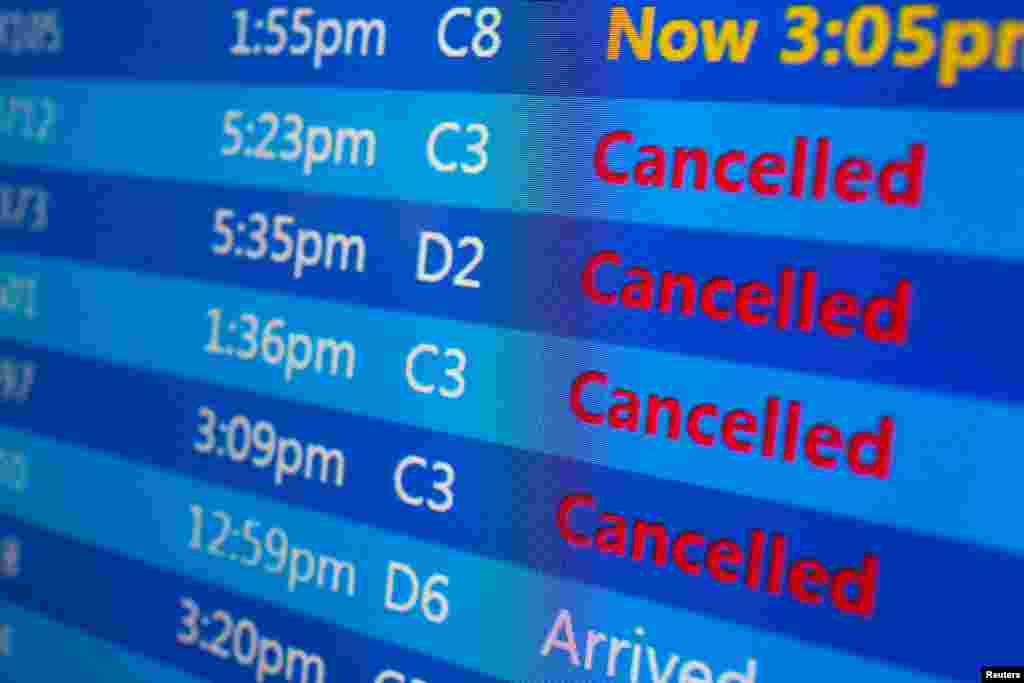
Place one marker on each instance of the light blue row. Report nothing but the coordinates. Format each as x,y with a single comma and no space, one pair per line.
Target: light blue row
44,650
950,474
499,613
540,155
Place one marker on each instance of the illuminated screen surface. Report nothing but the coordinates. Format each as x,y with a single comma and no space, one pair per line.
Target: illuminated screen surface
524,341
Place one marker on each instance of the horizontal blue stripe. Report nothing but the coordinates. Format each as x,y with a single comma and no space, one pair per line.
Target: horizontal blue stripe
47,650
547,48
530,276
147,617
149,520
541,154
944,478
504,500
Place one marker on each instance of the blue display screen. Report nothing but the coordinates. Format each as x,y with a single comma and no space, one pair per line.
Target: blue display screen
530,341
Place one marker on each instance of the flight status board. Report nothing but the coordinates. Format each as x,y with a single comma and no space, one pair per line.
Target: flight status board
523,341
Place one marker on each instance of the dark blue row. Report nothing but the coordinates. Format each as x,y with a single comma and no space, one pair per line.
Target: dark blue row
547,47
125,601
506,503
959,337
